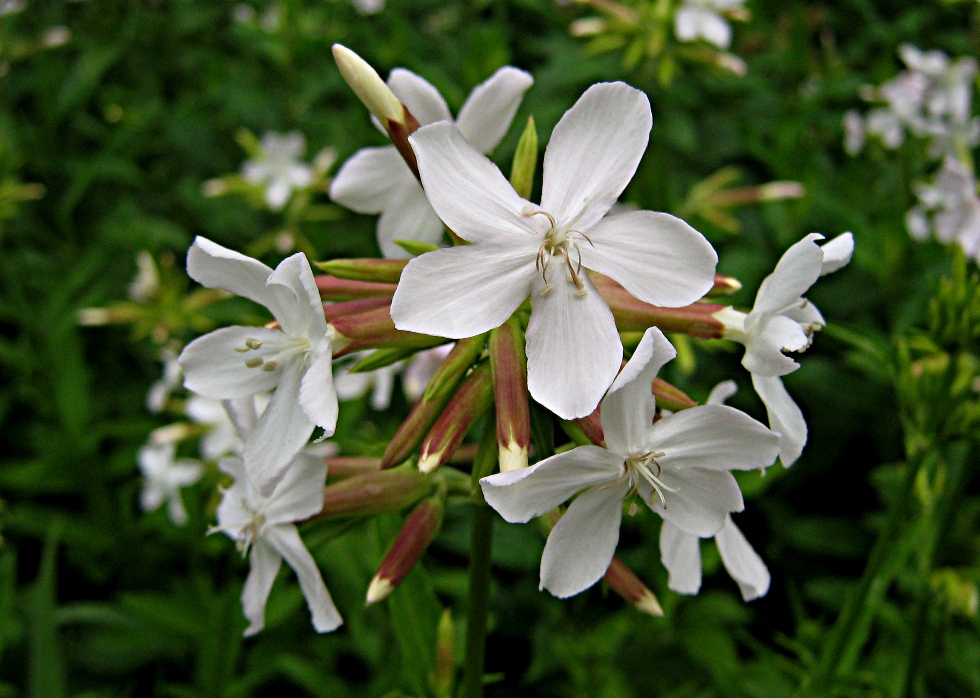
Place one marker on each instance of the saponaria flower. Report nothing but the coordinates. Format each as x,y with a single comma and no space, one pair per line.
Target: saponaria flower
377,180
680,552
783,320
163,476
264,528
949,208
520,249
278,167
679,466
294,359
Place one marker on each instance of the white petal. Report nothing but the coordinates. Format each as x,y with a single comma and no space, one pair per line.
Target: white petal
721,392
795,273
785,417
629,406
299,494
681,554
594,151
573,347
214,266
215,369
151,496
370,179
468,192
700,501
716,437
491,106
837,253
520,495
419,95
301,310
281,431
277,193
715,30
764,351
175,509
287,542
582,543
742,562
686,24
317,396
265,563
407,216
462,291
657,257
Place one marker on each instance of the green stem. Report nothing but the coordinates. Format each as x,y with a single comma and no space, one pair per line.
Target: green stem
481,538
843,634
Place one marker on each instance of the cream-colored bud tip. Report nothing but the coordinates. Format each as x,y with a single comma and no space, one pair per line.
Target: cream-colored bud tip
368,85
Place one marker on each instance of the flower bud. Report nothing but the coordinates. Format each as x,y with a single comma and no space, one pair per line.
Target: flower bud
340,467
724,286
368,86
525,161
670,397
387,271
445,669
631,314
332,311
373,493
419,529
374,329
510,395
624,582
467,404
437,394
333,289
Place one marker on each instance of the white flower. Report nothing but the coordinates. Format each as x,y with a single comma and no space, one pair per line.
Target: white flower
680,553
146,283
377,180
163,477
782,320
278,168
265,527
679,466
368,7
294,359
521,249
170,380
702,19
221,437
421,368
949,207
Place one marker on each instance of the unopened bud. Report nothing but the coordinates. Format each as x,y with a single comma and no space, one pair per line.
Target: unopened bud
467,404
525,161
427,409
724,286
374,329
670,397
340,467
419,529
333,289
387,271
374,493
332,311
631,314
510,395
588,26
624,582
445,669
368,86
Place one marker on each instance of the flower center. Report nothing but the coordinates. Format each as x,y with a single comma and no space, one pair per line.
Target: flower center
561,241
642,467
248,533
282,350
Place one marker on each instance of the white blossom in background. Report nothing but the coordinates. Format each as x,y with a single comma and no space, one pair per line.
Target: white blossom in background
520,249
948,208
421,368
380,382
294,360
703,19
170,380
221,437
377,180
368,7
264,528
278,167
679,466
680,552
783,320
163,477
146,283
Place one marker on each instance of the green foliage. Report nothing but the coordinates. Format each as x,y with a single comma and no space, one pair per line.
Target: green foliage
105,145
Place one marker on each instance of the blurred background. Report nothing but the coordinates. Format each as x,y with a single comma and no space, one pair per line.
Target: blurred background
123,129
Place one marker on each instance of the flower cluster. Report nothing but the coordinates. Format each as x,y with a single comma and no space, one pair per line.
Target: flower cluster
537,296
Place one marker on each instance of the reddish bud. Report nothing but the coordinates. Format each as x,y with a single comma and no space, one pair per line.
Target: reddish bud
387,271
724,286
419,529
670,397
624,582
340,467
632,314
333,289
510,395
373,493
374,329
467,404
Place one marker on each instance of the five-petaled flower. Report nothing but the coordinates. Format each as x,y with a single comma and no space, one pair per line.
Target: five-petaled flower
278,167
376,180
294,359
163,477
783,320
679,466
264,528
520,249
